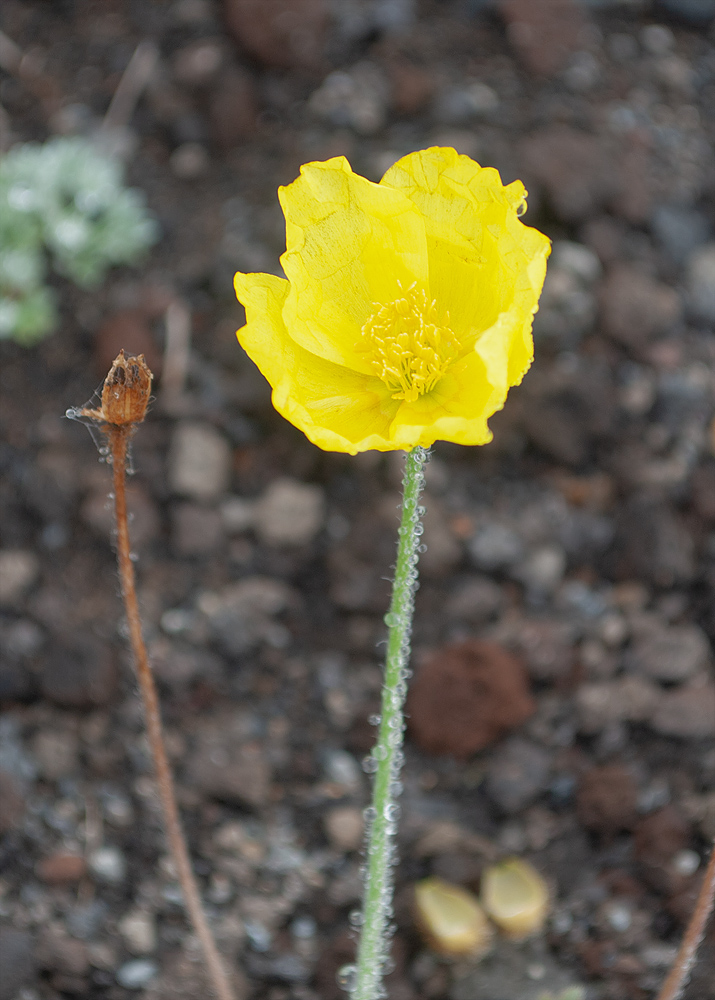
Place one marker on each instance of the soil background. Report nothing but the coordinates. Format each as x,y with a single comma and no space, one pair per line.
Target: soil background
579,545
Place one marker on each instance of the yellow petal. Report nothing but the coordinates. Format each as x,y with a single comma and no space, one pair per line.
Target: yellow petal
336,408
350,243
456,410
486,267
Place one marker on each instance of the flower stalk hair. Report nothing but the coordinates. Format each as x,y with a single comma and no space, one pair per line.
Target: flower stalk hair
404,318
125,397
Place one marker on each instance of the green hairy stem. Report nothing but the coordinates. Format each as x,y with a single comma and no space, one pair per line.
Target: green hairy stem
365,980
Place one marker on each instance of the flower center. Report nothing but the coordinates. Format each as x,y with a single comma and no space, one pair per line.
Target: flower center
410,348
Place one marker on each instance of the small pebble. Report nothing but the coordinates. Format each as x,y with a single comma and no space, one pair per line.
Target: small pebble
344,827
199,62
687,711
56,753
108,864
451,919
686,862
619,917
199,461
138,931
237,515
672,654
18,571
517,774
356,97
700,282
136,974
516,897
289,513
189,161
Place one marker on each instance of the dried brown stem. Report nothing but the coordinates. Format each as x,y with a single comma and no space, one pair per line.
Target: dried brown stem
125,397
678,976
118,436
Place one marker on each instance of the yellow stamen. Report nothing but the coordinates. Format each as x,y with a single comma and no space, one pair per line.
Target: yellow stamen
411,349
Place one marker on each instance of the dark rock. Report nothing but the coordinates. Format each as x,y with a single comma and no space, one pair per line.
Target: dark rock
698,13
606,799
280,34
567,308
633,194
703,487
571,166
243,615
635,308
196,531
567,408
20,640
672,654
466,696
16,962
547,648
544,34
680,230
518,773
15,682
653,544
83,675
233,108
226,767
656,840
474,600
412,86
508,972
57,952
12,805
688,712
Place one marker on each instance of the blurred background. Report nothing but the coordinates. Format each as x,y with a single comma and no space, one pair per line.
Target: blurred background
567,601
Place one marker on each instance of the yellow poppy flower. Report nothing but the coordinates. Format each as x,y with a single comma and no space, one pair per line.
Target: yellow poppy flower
407,310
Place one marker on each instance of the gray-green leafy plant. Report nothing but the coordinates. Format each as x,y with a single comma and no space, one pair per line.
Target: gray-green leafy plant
62,202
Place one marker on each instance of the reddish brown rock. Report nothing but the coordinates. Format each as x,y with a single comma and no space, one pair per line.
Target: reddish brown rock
571,166
233,108
12,803
656,840
412,86
703,491
635,308
61,869
281,34
466,696
606,800
543,33
633,199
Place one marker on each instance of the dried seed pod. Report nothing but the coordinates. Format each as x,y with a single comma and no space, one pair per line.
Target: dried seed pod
516,897
125,395
451,919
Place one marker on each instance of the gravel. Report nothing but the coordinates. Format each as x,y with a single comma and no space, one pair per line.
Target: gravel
578,543
199,462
